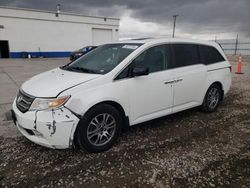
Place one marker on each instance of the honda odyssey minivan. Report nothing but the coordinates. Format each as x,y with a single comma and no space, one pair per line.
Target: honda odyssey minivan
87,102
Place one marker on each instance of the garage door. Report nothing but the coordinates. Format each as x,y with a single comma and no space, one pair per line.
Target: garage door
101,36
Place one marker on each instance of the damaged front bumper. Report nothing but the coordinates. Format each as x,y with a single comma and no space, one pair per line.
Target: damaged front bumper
49,128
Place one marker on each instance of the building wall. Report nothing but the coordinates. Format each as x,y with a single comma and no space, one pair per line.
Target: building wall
44,34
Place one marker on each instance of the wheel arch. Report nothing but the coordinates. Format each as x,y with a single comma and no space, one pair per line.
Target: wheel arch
117,106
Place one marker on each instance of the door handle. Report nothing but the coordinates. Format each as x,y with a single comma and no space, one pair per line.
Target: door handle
178,80
169,82
173,81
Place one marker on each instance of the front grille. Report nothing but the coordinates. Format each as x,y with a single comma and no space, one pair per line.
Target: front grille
24,101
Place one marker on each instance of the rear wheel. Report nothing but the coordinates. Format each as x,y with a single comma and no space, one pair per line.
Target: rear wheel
99,128
212,98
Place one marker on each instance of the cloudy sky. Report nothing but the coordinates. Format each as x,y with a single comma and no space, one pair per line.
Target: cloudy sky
205,19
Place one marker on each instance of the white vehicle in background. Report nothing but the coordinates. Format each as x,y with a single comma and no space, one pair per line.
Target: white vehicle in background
87,102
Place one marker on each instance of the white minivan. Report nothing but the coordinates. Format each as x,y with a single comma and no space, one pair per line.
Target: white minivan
87,102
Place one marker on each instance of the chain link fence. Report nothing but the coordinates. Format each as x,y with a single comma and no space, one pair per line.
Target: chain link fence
235,46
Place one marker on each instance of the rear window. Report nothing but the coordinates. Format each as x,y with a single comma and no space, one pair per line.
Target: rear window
210,55
185,54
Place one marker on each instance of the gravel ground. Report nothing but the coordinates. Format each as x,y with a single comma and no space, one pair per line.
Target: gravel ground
187,149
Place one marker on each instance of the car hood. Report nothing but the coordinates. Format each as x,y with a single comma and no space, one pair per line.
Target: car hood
51,83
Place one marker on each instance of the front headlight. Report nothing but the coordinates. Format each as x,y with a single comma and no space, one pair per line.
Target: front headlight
43,104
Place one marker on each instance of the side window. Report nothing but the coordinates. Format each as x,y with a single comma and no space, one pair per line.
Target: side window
123,74
185,54
156,59
210,55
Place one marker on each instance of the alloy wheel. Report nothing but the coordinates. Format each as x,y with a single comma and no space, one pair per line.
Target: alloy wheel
101,129
213,98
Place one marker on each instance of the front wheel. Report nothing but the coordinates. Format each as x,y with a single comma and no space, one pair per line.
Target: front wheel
99,128
212,98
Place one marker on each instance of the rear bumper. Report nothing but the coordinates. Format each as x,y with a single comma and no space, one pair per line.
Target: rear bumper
50,128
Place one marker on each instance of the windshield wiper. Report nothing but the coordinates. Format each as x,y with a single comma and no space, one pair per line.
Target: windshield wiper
81,69
65,66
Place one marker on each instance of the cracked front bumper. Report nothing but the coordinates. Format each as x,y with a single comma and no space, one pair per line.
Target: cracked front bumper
49,128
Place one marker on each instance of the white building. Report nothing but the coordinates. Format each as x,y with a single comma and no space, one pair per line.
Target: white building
44,33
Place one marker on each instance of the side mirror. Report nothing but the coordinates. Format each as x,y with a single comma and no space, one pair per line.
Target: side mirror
140,71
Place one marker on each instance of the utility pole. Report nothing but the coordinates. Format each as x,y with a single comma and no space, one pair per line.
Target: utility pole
174,16
236,45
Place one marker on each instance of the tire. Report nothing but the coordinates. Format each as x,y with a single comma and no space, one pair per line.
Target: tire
96,135
212,98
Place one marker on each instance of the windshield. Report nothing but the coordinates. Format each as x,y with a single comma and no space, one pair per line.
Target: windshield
102,59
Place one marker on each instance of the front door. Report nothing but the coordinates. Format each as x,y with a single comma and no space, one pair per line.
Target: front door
151,96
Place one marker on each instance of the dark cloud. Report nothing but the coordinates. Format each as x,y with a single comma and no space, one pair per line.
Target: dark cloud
196,16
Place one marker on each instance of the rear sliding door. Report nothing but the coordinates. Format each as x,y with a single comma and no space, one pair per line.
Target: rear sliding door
190,76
